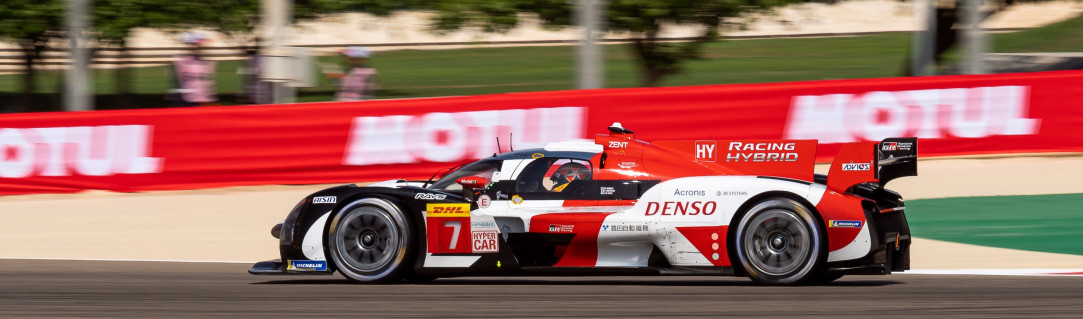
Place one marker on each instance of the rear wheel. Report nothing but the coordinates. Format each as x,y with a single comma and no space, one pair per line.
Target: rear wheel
369,241
779,242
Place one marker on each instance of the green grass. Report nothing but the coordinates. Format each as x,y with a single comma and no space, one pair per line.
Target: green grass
1064,36
1047,223
422,73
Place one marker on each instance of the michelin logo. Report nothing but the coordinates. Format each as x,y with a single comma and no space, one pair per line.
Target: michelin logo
307,265
846,223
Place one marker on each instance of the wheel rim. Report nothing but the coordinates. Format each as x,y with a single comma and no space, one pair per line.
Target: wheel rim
777,242
369,239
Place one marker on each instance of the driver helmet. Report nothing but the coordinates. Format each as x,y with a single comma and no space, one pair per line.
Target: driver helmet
567,173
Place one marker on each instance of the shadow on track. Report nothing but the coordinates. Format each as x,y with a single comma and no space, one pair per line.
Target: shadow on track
724,282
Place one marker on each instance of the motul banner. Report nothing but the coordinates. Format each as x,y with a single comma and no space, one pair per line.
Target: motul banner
183,148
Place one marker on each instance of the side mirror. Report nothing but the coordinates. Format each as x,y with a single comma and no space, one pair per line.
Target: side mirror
472,182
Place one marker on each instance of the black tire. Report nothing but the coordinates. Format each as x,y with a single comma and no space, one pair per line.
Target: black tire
780,242
369,241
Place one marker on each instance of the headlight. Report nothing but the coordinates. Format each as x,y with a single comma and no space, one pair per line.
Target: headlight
288,225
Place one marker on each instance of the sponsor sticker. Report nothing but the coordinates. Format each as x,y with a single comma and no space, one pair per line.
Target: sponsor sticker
846,223
483,241
606,190
705,151
731,193
890,146
762,152
484,201
616,144
557,228
683,208
482,225
856,166
622,227
515,199
447,210
627,164
430,196
689,192
324,200
307,265
537,155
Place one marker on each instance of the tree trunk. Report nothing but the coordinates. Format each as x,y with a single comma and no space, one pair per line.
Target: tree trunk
653,76
123,77
29,85
946,35
652,69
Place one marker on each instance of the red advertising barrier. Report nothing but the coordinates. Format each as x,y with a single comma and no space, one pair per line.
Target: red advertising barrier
183,148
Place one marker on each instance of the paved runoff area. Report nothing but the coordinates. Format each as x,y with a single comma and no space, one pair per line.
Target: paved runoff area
97,289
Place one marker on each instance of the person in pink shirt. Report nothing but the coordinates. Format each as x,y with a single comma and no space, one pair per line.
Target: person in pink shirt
359,81
194,75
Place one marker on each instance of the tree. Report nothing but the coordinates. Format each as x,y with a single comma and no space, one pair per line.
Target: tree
31,24
642,19
114,20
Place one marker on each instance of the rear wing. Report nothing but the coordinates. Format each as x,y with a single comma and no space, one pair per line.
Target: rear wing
873,162
897,157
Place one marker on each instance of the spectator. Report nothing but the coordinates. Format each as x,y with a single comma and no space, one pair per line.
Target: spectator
194,75
359,81
256,90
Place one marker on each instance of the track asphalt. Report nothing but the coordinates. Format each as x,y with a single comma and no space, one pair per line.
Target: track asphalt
116,289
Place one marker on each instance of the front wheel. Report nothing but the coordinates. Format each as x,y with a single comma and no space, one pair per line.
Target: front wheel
779,242
369,240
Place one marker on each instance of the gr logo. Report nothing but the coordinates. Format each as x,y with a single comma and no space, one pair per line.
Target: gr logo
705,151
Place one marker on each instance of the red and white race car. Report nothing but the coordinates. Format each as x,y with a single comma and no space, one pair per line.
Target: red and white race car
617,205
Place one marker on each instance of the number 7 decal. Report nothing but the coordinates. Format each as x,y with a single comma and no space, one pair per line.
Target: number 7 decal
446,225
455,226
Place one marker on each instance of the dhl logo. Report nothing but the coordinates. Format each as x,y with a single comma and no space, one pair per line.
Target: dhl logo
447,210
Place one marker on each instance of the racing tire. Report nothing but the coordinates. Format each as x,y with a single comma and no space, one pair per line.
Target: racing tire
780,242
369,241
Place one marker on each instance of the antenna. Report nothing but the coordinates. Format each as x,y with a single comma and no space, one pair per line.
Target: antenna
498,149
511,148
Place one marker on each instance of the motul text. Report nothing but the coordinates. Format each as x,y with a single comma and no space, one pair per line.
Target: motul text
81,150
872,116
452,137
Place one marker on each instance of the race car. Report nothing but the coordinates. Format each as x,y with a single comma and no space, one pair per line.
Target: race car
616,205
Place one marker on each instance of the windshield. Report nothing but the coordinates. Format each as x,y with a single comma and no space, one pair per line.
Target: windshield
450,182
